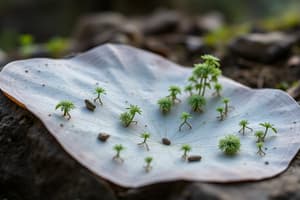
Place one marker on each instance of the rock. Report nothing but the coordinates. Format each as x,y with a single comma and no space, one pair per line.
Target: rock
263,47
34,166
209,22
93,30
160,22
156,46
294,61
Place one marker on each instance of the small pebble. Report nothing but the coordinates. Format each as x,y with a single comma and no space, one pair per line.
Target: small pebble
166,141
266,163
103,137
89,105
61,125
194,158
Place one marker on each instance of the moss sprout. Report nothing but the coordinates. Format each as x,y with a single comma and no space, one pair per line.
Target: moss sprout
196,102
174,92
145,137
65,106
259,135
189,89
267,127
184,117
230,144
244,125
118,148
221,112
165,104
185,148
148,161
99,91
127,117
218,88
226,105
260,146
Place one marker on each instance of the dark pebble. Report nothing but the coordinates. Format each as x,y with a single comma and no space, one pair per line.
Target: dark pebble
194,158
103,137
166,141
89,105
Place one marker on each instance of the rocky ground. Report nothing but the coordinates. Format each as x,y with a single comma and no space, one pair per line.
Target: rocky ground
34,166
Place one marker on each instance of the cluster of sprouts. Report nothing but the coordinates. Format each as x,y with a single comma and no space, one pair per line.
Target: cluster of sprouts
204,78
128,116
66,106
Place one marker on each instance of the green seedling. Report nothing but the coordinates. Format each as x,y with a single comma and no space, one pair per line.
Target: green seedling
185,148
99,91
211,60
206,73
165,104
226,105
148,161
174,92
127,117
218,88
184,117
221,112
244,125
196,102
65,107
189,89
260,146
267,126
118,148
259,135
230,144
145,136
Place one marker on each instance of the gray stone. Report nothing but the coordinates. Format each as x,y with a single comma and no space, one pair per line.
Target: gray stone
263,47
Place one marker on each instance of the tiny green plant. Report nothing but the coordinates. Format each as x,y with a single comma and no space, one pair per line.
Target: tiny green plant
99,91
189,89
218,88
174,92
260,146
184,117
148,161
206,73
145,137
244,125
226,105
185,148
259,136
65,106
165,104
230,144
196,102
118,148
267,127
221,112
127,117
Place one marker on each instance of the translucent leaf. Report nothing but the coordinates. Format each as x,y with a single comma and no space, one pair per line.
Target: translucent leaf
132,76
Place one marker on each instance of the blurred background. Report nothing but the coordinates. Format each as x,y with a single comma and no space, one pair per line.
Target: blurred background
257,40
